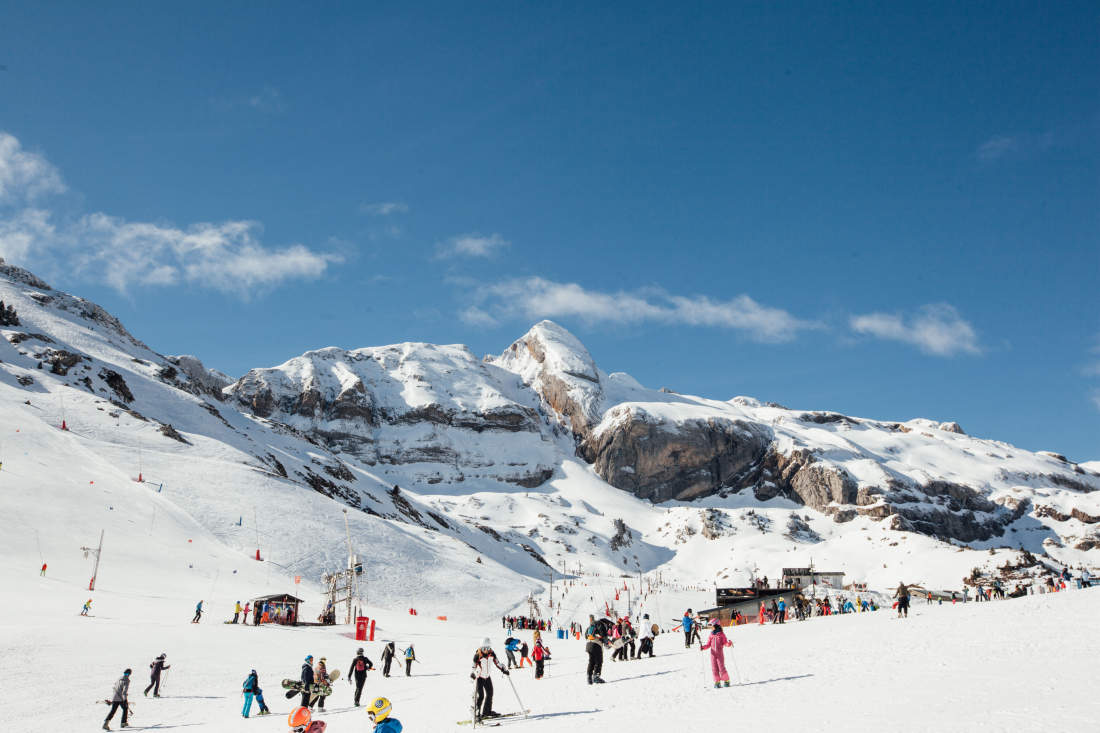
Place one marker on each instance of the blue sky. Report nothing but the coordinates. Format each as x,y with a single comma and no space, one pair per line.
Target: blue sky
891,212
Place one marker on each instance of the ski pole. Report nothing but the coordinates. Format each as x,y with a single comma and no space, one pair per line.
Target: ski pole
513,684
740,679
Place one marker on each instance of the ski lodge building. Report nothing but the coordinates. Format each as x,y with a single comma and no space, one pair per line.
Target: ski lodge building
799,578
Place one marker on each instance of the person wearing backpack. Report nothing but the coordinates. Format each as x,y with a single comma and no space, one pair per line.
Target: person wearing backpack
541,654
358,669
410,657
251,689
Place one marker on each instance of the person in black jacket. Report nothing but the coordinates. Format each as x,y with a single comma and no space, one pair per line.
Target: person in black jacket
307,680
358,668
387,658
154,676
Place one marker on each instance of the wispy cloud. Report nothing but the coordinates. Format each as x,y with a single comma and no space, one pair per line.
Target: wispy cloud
471,245
268,99
226,256
1095,397
25,176
936,329
383,208
997,147
534,297
1003,146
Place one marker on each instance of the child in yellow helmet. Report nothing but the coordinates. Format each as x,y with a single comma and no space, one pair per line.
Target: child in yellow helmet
379,713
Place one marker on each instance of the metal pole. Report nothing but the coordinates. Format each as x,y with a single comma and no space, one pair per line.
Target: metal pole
98,552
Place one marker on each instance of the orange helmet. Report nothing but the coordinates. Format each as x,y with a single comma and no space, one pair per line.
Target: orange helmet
299,719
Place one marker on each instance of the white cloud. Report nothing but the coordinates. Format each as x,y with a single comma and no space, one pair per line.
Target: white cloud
477,317
997,147
227,256
25,176
471,245
268,99
935,329
384,208
534,297
1095,397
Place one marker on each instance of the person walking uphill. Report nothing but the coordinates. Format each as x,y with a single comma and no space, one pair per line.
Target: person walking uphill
119,699
156,668
358,669
387,658
717,644
484,659
410,657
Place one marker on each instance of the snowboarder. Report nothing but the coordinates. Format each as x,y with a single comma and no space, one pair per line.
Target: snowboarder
156,667
251,689
484,658
358,669
379,713
307,680
87,607
387,658
198,613
410,657
902,594
717,644
686,624
541,654
320,677
594,647
119,700
511,644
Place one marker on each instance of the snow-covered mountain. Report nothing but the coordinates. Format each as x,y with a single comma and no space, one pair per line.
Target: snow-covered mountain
471,476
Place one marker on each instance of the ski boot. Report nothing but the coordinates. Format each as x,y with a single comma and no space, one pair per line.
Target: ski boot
717,685
726,683
598,680
106,727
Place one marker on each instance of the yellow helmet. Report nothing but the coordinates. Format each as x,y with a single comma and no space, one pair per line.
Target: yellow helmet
379,709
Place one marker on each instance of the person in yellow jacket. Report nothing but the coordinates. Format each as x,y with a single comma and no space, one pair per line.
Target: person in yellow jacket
237,612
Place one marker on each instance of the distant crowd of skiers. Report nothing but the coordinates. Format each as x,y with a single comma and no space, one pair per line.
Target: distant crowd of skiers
512,623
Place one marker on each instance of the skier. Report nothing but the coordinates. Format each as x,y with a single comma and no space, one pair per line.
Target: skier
511,644
43,573
320,676
902,594
387,658
686,624
410,657
541,654
307,680
87,607
594,648
358,668
251,689
523,651
119,700
379,714
484,658
198,613
717,644
154,676
236,612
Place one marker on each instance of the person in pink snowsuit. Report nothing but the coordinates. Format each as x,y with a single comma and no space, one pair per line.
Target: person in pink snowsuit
717,644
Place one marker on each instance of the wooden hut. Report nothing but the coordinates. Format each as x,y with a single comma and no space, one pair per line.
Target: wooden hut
281,608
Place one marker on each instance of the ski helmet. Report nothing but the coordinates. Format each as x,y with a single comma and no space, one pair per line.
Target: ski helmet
163,656
486,644
379,710
309,657
299,719
359,650
126,672
716,622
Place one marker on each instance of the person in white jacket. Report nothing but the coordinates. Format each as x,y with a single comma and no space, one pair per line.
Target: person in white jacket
120,700
646,645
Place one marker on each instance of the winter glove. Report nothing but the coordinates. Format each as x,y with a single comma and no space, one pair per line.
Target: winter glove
472,675
506,672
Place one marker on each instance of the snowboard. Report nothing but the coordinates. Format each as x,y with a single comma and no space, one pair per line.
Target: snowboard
295,687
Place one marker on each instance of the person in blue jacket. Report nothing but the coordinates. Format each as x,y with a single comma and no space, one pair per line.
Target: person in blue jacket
782,611
511,646
686,623
379,713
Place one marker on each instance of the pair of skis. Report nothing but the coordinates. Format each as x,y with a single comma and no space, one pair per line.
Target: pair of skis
496,720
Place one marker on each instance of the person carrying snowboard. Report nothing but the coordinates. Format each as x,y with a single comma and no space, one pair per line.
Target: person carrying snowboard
541,654
87,607
380,713
387,658
717,644
119,700
307,680
251,689
198,613
484,659
320,677
154,675
358,669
